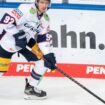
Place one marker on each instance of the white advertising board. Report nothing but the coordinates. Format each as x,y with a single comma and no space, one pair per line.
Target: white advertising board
78,36
100,2
71,26
53,1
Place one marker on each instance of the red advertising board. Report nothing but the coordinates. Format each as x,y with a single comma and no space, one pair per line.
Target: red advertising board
75,70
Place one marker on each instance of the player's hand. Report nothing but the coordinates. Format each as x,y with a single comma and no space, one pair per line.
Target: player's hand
50,61
20,39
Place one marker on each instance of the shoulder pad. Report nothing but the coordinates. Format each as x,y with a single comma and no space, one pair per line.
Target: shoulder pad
32,10
46,17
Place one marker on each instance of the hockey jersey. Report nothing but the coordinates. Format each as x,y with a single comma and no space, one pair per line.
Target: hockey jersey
25,18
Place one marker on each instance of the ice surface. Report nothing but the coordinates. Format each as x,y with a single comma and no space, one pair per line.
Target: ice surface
61,91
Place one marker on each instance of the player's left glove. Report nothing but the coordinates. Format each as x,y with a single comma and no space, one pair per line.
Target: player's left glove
50,61
20,39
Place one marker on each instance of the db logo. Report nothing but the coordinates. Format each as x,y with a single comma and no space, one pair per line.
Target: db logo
24,67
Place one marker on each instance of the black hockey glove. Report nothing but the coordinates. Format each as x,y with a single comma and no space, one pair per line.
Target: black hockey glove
20,39
50,61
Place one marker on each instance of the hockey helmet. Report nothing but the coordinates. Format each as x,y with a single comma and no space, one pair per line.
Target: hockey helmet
36,3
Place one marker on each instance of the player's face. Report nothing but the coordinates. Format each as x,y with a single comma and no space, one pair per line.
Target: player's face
42,5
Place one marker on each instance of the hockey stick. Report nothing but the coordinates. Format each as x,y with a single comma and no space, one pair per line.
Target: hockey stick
79,84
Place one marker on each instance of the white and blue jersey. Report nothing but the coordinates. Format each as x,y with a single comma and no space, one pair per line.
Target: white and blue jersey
25,18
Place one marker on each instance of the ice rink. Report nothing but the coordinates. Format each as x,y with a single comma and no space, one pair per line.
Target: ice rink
61,91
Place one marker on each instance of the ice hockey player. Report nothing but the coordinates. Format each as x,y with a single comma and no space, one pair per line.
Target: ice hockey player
27,27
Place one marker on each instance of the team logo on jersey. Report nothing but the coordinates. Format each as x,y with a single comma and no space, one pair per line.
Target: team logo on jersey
17,13
33,26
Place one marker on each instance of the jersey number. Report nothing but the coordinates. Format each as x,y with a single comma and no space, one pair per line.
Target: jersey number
7,19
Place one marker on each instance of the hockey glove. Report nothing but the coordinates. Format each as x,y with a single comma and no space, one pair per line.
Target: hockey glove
50,61
20,39
36,50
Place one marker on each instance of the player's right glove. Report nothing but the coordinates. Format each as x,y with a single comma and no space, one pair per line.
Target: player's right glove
20,39
50,61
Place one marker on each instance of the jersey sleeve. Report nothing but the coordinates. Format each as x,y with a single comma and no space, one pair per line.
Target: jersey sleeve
43,29
13,18
15,15
43,38
45,25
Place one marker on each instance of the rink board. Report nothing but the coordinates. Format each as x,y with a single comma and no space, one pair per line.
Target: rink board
74,70
78,40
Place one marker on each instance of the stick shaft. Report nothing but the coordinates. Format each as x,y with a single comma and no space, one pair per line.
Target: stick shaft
79,84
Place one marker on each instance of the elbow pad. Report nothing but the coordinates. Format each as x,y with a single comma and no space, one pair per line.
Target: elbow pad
36,50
